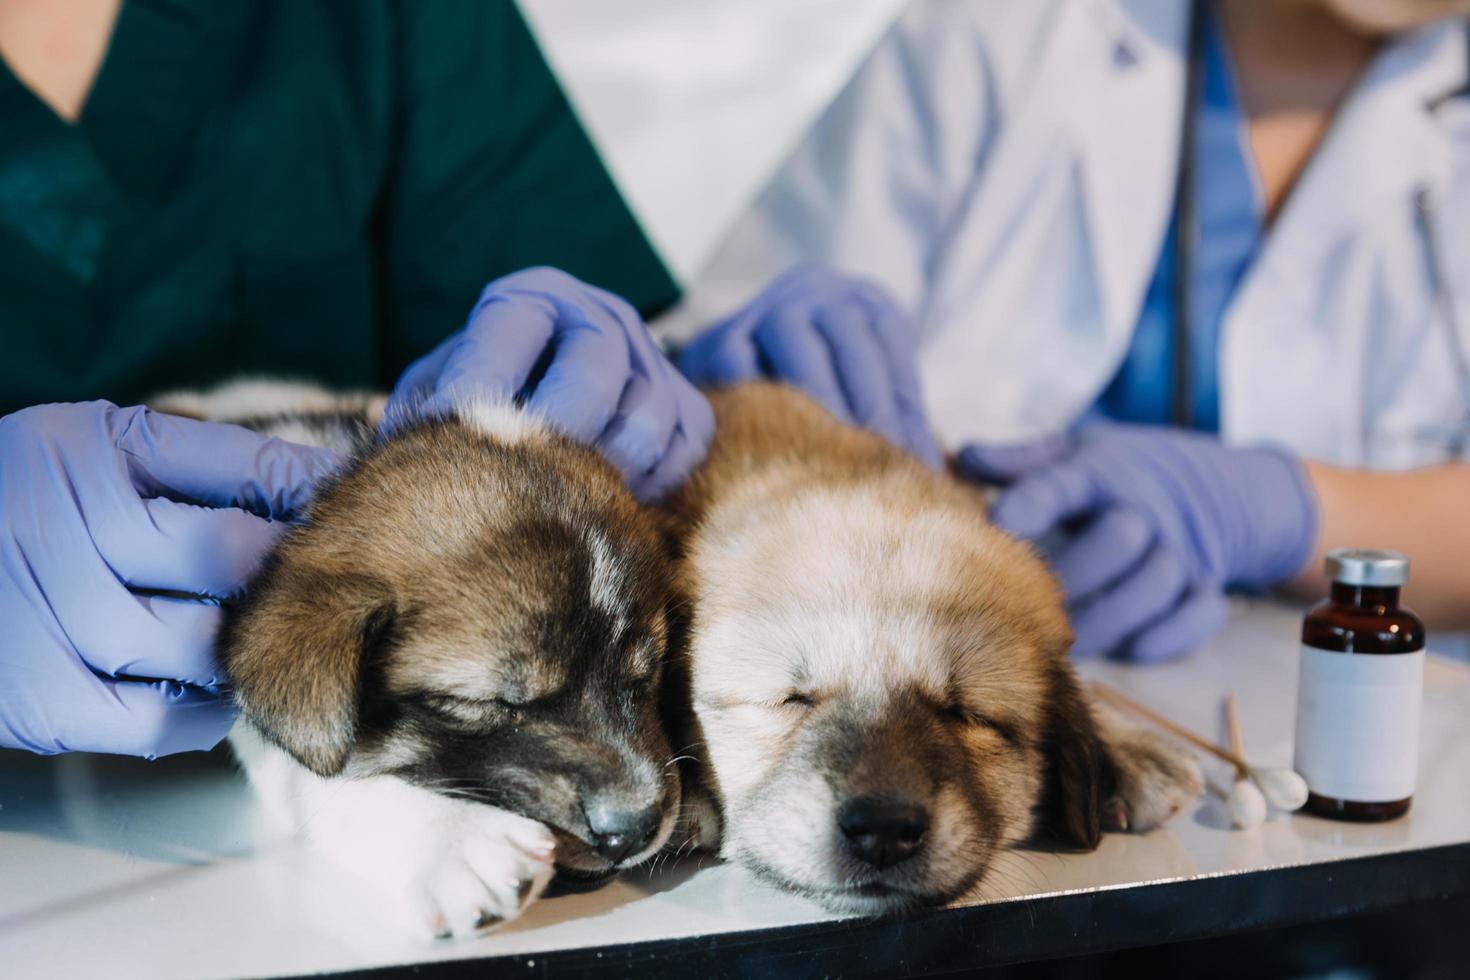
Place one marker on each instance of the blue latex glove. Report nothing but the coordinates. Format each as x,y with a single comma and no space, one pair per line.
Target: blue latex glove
1168,520
98,506
843,341
605,382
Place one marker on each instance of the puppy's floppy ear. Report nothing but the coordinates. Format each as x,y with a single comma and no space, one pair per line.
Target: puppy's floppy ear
294,649
1079,773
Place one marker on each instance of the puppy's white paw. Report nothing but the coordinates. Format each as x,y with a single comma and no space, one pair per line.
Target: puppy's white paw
1156,779
489,867
441,866
445,867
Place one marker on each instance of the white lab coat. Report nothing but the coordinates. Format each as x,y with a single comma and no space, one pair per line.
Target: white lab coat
1007,168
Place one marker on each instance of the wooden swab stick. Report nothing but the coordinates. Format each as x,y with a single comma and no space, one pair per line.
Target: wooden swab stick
1283,788
1232,727
1121,700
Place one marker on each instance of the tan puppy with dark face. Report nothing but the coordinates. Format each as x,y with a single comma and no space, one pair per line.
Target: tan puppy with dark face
449,673
880,686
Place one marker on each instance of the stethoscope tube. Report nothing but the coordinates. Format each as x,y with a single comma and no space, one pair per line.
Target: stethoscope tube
1184,223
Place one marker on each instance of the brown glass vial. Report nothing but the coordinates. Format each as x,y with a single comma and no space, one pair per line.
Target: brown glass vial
1360,690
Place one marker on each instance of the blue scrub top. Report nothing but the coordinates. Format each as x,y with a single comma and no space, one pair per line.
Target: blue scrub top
1229,217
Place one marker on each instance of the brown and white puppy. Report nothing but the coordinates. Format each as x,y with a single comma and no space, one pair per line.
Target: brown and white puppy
880,687
450,670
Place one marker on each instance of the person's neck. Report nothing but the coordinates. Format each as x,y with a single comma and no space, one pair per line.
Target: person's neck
1292,54
1294,63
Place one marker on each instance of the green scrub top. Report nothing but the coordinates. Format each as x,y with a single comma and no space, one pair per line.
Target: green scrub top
291,188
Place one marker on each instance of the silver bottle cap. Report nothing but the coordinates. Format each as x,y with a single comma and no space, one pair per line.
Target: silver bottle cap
1367,566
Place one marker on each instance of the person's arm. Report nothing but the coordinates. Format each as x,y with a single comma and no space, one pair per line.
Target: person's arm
1419,512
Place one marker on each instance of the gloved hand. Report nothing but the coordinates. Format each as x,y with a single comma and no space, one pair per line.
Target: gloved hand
1168,520
99,505
583,360
843,341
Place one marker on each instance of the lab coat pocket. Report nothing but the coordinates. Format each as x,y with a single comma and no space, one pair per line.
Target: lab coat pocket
311,314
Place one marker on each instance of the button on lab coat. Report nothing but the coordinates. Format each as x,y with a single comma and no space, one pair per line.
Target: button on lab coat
1007,169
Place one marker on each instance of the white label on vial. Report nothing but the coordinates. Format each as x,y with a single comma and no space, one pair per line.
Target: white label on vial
1357,723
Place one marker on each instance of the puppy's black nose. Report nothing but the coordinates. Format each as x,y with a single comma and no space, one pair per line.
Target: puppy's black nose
882,833
617,833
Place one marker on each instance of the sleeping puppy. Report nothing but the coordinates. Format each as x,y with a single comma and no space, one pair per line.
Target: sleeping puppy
449,672
879,681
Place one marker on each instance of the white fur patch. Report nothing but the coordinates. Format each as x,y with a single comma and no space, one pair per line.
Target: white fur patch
441,866
836,587
607,576
249,397
501,420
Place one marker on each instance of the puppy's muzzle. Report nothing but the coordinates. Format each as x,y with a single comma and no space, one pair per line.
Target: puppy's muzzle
882,832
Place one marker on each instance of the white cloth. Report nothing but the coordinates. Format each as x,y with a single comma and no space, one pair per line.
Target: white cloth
1007,168
693,104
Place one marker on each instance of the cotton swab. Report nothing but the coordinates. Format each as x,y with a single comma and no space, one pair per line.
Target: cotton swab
1282,788
1285,789
1245,803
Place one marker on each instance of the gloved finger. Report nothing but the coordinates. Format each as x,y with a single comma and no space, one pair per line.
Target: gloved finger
586,381
185,652
686,449
499,348
653,486
1134,604
1007,463
1199,616
186,548
635,438
103,624
218,465
720,358
898,335
416,384
807,284
862,372
1040,501
895,329
652,424
919,439
726,352
1112,543
799,356
155,719
120,633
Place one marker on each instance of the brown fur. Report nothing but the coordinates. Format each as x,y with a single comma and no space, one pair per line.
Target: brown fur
444,616
942,676
436,527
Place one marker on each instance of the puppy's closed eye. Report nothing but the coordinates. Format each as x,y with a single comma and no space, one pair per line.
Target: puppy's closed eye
959,714
472,711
